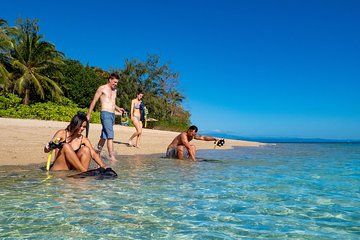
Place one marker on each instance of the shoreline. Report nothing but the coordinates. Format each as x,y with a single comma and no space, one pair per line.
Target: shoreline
22,140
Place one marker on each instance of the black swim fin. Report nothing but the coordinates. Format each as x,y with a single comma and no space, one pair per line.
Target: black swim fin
98,173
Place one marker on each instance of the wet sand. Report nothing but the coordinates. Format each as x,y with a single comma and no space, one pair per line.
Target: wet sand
22,140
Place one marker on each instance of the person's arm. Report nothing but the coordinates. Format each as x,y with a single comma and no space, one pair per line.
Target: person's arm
58,136
119,109
205,138
185,142
93,154
94,101
132,108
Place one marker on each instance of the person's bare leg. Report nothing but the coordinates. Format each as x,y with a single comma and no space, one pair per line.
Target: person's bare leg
193,151
138,138
84,156
138,141
100,145
180,152
60,162
67,155
135,134
110,146
131,138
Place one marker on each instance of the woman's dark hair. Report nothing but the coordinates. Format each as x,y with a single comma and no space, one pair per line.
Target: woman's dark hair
139,91
77,121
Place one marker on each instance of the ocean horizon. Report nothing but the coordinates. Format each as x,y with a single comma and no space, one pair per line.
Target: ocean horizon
266,139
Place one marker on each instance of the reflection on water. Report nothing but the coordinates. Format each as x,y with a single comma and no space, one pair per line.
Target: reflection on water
290,191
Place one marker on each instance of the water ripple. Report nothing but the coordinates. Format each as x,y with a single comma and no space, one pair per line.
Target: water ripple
285,191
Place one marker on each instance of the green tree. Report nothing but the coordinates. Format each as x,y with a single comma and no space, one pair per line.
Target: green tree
175,99
80,83
159,84
6,45
36,63
129,82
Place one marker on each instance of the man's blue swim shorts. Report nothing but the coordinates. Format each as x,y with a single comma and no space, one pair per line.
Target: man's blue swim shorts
107,121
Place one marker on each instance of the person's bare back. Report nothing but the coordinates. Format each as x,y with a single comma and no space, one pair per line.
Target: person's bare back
178,140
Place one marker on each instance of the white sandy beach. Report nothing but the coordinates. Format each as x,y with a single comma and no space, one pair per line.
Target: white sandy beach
22,140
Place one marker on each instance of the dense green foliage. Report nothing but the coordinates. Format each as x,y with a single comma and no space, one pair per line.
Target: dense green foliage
11,106
52,87
80,83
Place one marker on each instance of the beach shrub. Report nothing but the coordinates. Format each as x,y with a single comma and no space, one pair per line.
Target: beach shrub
171,125
10,106
9,100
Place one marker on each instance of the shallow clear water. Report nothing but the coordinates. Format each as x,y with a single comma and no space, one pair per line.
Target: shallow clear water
286,191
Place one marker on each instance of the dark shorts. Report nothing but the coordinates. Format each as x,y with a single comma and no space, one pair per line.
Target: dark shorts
172,153
107,121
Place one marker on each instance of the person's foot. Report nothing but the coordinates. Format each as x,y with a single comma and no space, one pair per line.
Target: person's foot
98,150
113,159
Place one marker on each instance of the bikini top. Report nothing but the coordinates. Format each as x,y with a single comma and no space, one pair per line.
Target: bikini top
137,106
81,144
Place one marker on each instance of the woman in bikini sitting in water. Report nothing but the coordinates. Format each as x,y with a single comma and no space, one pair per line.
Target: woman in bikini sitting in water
74,150
136,118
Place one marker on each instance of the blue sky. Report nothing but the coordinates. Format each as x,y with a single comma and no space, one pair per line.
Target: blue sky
252,68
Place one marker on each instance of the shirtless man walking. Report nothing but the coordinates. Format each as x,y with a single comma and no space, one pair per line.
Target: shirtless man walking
107,95
181,146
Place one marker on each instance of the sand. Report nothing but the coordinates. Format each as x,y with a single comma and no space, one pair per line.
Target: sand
22,140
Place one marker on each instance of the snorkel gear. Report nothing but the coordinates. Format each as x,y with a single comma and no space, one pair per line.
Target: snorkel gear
56,144
219,143
52,145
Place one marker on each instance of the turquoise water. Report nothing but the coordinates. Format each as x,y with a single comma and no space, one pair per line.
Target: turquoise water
286,191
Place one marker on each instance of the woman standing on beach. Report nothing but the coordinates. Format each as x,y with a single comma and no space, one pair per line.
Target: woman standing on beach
137,118
74,151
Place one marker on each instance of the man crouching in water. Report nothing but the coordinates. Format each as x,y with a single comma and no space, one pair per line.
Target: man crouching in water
180,146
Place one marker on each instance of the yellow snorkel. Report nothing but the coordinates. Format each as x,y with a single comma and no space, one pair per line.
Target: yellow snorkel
50,155
49,160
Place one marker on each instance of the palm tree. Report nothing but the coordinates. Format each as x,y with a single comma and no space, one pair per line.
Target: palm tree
5,46
36,63
175,98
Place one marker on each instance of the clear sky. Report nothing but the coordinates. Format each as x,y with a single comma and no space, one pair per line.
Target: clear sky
252,68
